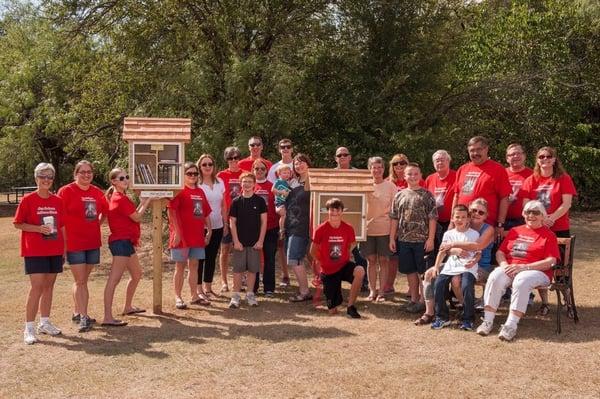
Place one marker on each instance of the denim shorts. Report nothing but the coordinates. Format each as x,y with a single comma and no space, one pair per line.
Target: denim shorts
121,248
87,257
295,249
43,264
183,254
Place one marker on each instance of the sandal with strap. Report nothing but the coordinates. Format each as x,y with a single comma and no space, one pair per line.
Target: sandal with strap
423,320
543,310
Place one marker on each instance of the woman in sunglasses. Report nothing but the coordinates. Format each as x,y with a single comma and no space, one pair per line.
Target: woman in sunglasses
188,221
85,209
525,260
124,223
40,217
554,188
214,190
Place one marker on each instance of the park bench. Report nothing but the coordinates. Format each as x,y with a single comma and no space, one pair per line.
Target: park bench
18,192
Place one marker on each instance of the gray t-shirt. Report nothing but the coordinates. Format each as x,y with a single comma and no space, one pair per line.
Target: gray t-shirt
413,209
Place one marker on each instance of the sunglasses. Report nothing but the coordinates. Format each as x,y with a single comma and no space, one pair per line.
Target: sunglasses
545,157
121,178
401,163
259,168
236,158
285,147
192,174
477,211
255,144
206,165
533,212
342,155
85,172
45,177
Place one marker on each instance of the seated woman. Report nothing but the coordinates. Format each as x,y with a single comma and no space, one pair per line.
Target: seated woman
525,260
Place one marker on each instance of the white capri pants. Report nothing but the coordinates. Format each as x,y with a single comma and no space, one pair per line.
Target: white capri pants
523,283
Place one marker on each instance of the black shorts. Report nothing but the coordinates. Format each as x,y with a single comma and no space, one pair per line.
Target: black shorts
44,264
332,284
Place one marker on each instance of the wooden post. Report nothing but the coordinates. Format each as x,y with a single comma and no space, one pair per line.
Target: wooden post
157,255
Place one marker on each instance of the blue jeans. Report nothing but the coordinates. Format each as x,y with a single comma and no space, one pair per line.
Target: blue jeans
468,291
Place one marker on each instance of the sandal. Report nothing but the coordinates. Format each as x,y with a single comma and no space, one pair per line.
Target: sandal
224,288
179,304
201,300
543,310
301,298
423,320
372,296
380,298
133,311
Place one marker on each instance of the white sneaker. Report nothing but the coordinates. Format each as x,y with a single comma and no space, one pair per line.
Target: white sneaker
507,333
48,328
235,301
485,328
251,298
29,337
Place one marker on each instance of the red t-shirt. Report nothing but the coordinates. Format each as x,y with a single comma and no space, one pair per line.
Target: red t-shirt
36,210
121,225
263,190
524,245
516,179
549,191
82,216
334,245
233,185
488,181
443,192
402,184
246,164
191,208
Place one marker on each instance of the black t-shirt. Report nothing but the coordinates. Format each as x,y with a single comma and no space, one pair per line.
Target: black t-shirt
297,206
247,212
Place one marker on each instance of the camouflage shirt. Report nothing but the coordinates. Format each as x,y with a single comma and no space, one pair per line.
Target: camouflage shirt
413,209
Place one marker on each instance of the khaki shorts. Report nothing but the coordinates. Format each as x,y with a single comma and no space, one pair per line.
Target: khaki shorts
376,245
248,259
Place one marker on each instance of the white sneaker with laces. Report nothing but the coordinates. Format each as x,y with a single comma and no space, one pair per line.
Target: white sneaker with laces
251,298
29,337
507,333
485,328
235,301
48,328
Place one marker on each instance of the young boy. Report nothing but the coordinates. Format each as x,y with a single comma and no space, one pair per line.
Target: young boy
281,189
248,224
412,231
464,266
331,248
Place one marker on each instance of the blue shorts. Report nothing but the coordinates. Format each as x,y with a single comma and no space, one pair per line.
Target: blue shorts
295,249
121,248
411,257
43,264
87,257
183,254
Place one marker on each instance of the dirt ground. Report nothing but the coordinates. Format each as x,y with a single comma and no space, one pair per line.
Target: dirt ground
292,350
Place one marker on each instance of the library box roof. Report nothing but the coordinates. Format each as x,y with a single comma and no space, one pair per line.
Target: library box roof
157,129
340,180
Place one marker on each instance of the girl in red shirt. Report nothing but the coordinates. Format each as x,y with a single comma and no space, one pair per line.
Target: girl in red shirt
85,209
188,219
124,222
40,217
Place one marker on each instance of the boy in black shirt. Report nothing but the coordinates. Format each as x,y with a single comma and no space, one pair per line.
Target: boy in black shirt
248,224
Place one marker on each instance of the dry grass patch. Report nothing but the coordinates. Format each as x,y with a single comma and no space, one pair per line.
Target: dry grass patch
291,350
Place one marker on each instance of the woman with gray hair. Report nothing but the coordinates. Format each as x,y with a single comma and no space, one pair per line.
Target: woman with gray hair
525,260
40,217
376,248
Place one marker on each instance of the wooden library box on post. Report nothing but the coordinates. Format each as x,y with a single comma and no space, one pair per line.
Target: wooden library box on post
156,153
349,185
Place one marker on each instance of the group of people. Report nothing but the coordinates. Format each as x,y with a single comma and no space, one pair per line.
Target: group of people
438,231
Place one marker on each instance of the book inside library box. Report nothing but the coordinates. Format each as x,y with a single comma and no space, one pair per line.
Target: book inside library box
157,163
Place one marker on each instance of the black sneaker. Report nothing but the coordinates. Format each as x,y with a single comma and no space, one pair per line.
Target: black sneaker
352,312
85,324
76,318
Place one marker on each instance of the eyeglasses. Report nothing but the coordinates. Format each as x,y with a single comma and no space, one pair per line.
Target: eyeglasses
206,165
401,163
534,212
235,158
121,178
477,211
85,172
45,177
545,157
342,155
259,168
192,174
285,147
514,154
255,144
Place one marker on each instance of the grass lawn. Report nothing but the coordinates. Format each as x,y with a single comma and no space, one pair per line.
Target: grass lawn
292,350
